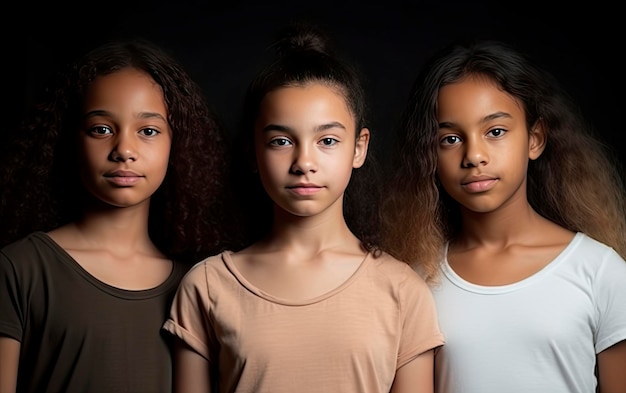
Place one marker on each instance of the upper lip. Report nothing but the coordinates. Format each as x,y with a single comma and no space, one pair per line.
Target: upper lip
304,185
472,179
122,173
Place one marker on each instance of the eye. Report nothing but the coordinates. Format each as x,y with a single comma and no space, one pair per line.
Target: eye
497,132
99,130
450,140
149,132
328,141
280,142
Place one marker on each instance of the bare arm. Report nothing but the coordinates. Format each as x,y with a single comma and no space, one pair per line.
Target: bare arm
417,376
9,360
191,371
612,369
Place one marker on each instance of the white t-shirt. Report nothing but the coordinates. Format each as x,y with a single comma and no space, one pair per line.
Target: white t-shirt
540,334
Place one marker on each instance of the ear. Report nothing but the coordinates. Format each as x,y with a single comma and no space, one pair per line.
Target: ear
360,149
537,140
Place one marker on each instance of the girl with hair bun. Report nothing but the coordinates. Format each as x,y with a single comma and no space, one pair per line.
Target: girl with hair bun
312,304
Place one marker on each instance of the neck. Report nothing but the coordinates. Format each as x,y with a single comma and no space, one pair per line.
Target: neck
311,234
508,224
116,227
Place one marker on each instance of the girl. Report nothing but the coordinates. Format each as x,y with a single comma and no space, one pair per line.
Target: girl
122,185
310,306
506,184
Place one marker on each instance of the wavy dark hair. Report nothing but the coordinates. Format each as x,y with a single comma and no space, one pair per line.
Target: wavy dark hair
576,181
304,55
39,179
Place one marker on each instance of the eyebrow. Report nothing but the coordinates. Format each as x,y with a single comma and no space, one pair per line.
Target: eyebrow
493,116
141,115
320,128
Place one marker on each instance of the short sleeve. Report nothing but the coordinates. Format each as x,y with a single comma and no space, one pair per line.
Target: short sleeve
189,314
610,289
11,313
420,331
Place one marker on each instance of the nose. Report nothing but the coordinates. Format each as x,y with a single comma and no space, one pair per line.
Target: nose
304,161
124,148
475,154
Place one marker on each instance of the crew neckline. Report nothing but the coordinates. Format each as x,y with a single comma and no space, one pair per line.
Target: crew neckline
227,259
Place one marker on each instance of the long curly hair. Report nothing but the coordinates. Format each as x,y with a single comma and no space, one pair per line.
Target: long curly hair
39,179
304,55
576,182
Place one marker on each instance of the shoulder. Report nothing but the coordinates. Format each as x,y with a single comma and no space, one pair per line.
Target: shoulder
411,292
34,237
387,262
590,247
593,261
33,246
32,259
213,265
396,270
206,279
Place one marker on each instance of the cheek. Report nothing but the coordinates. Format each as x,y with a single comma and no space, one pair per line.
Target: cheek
514,158
265,162
89,170
446,173
344,169
88,157
445,165
161,161
269,170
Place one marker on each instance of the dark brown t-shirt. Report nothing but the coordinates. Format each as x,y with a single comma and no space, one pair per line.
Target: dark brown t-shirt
78,334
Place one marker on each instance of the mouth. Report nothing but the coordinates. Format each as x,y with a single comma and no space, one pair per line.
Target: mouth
479,185
123,178
122,173
305,189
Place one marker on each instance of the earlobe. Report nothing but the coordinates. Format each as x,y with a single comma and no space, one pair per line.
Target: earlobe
537,140
360,148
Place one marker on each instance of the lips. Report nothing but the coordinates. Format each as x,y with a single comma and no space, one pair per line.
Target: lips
305,188
122,173
123,178
479,183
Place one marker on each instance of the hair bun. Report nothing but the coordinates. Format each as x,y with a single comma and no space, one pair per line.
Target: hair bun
300,37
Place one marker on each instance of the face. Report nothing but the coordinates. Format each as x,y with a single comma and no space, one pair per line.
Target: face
125,138
484,145
306,147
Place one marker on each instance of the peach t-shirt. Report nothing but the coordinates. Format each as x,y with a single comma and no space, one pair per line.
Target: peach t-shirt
351,339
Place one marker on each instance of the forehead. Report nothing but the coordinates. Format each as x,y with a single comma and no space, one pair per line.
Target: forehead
123,80
476,96
310,101
310,89
127,86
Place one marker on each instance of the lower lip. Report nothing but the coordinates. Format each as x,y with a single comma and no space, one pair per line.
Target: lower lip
305,190
479,186
124,181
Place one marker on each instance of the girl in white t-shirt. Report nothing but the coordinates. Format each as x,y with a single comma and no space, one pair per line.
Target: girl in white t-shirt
498,176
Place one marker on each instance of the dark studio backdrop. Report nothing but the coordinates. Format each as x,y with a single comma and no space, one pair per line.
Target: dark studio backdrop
222,44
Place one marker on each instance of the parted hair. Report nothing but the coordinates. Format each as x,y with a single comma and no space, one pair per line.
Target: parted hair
576,182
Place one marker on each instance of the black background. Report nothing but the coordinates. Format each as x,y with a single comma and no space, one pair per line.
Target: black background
222,44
